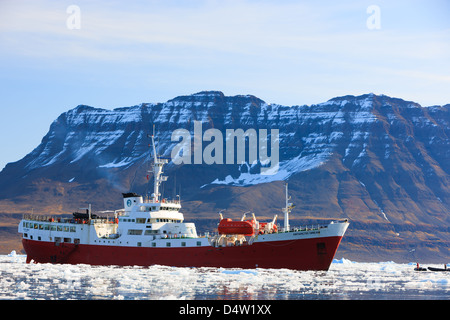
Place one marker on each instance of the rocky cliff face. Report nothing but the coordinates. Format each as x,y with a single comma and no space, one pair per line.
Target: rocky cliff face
382,162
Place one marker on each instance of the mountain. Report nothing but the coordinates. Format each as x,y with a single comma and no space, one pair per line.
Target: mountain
382,162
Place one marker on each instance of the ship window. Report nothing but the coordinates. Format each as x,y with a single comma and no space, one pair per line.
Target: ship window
140,220
167,244
134,232
72,229
66,229
46,227
67,240
183,244
76,241
25,235
41,227
35,225
199,243
153,244
39,238
59,228
52,228
139,244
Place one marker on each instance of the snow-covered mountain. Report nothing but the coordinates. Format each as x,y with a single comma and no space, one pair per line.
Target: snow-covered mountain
383,162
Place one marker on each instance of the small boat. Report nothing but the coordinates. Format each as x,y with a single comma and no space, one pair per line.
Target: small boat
419,268
438,269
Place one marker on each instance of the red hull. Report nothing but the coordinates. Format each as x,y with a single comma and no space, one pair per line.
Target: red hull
305,254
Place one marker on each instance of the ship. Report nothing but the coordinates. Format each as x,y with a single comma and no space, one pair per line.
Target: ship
150,230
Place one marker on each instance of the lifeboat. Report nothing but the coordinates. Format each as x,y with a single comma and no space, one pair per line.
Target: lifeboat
228,226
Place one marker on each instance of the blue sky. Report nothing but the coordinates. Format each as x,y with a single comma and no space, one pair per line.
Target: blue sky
285,52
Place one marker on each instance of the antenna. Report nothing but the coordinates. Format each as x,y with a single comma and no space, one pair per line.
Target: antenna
174,185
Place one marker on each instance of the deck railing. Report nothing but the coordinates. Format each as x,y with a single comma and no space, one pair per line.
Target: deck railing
59,219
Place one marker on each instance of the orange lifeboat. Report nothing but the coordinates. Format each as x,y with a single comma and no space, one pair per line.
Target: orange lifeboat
228,226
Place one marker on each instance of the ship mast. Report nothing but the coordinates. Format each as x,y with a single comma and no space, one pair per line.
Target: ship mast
157,171
287,210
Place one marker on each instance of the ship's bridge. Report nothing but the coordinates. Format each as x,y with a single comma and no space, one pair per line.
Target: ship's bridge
157,218
134,205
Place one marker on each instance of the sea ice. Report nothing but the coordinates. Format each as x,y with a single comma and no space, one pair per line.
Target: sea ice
345,280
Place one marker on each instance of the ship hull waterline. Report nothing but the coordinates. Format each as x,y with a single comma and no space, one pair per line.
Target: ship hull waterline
301,254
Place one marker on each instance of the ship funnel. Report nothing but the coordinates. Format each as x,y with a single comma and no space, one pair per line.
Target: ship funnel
130,200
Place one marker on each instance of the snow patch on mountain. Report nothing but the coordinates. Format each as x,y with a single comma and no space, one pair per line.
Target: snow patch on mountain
285,170
121,163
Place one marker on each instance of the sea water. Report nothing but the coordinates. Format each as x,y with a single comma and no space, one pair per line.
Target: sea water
345,280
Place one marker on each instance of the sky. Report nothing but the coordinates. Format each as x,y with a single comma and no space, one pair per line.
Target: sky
55,55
